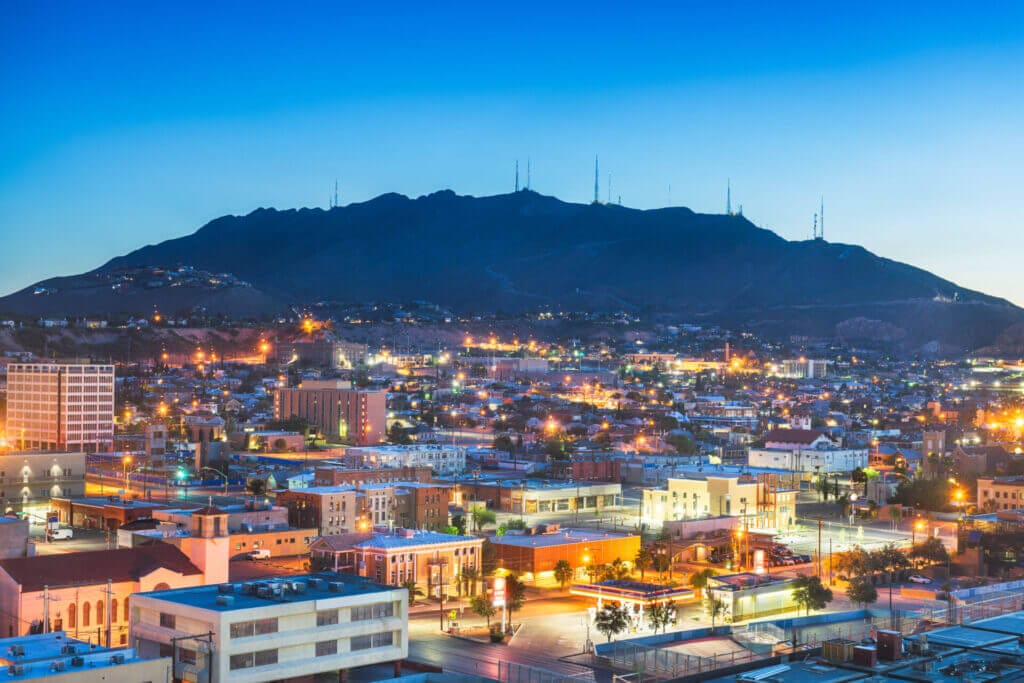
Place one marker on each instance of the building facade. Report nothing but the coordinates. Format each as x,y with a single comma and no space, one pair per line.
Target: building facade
434,561
441,459
60,406
273,629
28,481
353,416
741,496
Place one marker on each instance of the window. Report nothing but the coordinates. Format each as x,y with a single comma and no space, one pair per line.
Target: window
326,648
86,607
371,641
258,627
248,660
327,617
186,656
166,620
265,657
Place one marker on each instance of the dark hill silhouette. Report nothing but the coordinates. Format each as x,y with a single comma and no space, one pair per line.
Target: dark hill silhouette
521,251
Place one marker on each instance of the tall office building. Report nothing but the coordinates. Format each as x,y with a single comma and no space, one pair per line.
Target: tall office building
60,405
353,416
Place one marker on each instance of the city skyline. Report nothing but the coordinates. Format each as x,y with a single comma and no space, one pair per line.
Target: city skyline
136,125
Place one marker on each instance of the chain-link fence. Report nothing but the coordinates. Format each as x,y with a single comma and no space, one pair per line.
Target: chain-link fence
512,672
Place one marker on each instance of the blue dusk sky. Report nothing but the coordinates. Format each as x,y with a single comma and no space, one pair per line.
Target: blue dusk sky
123,124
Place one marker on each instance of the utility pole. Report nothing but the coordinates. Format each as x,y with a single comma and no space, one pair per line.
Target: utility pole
819,546
109,593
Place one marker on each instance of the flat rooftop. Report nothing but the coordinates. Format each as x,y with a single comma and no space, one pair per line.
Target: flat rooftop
229,597
796,672
965,636
561,537
104,501
48,655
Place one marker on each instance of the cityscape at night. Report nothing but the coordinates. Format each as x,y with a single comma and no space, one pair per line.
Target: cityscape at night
537,344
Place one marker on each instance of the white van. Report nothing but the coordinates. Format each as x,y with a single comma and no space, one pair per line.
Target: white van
61,534
259,554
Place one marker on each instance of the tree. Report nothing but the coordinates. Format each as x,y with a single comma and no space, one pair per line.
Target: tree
414,590
643,561
660,564
459,524
862,592
563,573
280,445
503,442
810,594
611,620
558,448
681,442
256,487
467,580
699,580
517,524
482,606
482,517
930,550
895,515
616,571
716,607
661,615
398,435
515,595
947,588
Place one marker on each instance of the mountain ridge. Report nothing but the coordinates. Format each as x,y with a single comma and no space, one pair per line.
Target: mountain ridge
522,251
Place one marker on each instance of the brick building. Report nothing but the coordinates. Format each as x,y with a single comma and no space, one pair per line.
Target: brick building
352,416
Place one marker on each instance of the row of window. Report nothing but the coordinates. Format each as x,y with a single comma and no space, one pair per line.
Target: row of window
257,627
324,648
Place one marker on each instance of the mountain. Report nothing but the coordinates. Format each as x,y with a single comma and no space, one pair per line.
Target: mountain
525,251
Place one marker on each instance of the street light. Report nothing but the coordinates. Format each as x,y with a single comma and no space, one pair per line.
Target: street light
918,526
125,462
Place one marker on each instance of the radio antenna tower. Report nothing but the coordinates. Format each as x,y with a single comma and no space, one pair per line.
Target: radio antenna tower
596,198
517,175
728,196
609,188
821,214
528,173
334,201
814,230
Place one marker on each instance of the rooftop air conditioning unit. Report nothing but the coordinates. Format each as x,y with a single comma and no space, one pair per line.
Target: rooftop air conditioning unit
226,588
15,670
225,600
57,665
117,659
68,650
77,661
335,586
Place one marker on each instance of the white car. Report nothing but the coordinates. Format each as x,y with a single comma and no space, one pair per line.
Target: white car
917,578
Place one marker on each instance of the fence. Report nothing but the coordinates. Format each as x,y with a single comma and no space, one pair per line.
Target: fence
512,672
661,663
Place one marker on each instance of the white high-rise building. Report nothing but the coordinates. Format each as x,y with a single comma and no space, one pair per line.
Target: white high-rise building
60,405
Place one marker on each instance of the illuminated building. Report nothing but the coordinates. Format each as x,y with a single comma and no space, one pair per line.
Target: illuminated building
354,416
59,406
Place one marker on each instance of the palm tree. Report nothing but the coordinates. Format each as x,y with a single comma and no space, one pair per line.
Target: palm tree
414,590
643,561
699,580
467,580
563,572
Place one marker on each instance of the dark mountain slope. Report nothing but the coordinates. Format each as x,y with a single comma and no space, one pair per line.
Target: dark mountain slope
524,250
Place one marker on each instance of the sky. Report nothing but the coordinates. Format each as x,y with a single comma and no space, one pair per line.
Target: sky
124,124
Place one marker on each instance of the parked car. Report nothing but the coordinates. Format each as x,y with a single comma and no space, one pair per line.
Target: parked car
917,578
259,554
61,534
